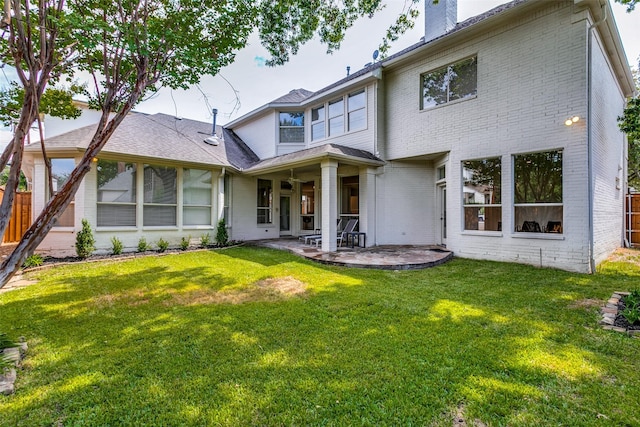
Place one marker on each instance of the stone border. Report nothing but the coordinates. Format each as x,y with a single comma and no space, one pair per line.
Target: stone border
610,312
15,355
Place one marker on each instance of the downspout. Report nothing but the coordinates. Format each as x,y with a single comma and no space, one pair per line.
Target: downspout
592,261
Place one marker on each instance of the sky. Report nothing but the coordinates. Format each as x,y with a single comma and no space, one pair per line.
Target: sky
248,84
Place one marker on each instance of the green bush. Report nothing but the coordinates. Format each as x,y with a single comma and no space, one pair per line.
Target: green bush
184,243
34,260
143,245
632,307
163,245
6,342
205,239
116,246
222,237
85,243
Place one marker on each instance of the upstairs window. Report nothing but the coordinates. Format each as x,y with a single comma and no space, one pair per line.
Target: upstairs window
292,127
356,110
482,194
317,123
538,192
336,117
451,83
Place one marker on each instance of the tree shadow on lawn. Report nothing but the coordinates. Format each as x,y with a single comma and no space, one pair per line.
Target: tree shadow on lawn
398,348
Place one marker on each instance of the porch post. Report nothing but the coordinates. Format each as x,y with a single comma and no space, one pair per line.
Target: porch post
367,223
329,205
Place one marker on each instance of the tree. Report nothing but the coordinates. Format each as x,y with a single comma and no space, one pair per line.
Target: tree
629,123
130,49
631,4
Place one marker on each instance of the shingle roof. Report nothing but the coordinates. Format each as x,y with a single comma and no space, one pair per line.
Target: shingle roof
296,95
162,137
312,154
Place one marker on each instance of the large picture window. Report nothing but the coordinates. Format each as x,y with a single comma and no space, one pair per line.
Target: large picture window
60,171
538,192
292,127
196,196
450,83
116,194
265,201
160,195
482,194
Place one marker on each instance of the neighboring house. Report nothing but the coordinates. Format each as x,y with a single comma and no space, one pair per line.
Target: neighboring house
459,140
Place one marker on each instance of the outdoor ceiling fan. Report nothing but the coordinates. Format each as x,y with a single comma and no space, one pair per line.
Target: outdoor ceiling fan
291,179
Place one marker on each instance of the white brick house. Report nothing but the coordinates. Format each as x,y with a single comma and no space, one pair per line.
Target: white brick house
459,140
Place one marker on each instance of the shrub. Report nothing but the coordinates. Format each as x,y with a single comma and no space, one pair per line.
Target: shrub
116,246
632,307
33,260
143,245
205,239
222,237
184,243
85,243
162,245
6,342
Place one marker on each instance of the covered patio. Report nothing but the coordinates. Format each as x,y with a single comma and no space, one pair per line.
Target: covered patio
388,257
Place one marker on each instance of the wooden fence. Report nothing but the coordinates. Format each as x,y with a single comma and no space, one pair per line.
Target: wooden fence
20,217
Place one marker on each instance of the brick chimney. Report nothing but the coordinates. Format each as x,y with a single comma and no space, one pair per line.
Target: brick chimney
439,18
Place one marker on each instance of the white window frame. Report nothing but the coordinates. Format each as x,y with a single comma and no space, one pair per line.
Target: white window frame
280,127
483,205
133,204
448,69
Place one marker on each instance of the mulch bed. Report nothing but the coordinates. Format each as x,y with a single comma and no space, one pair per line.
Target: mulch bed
613,320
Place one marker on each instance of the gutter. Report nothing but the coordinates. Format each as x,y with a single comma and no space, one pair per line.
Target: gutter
592,261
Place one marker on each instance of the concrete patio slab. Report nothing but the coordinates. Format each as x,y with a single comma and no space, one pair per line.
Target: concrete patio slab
391,257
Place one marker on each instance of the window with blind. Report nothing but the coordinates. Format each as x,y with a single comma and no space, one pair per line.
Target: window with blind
116,194
160,195
196,196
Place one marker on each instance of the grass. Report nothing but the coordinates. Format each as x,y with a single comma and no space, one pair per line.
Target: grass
251,336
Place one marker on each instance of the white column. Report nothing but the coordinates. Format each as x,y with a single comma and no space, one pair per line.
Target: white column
367,204
329,205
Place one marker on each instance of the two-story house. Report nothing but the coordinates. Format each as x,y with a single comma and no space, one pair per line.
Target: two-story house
495,136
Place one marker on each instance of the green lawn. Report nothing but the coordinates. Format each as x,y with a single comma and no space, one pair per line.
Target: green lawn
209,338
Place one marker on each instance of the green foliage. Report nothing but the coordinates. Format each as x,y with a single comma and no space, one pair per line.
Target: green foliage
4,177
56,102
222,236
6,342
184,243
632,307
33,260
85,243
205,240
163,245
116,246
143,245
629,123
631,4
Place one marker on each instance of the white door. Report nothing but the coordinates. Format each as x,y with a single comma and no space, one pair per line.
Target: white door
441,216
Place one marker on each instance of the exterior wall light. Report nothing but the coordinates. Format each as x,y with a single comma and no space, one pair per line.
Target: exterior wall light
572,120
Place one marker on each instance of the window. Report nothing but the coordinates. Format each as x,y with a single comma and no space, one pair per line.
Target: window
336,117
265,201
356,111
317,123
160,195
482,194
450,83
307,205
538,192
227,199
292,127
116,194
350,198
60,171
196,197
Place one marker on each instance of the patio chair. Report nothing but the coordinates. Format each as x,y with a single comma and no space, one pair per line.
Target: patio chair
311,237
351,225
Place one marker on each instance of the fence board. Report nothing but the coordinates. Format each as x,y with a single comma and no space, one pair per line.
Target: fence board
20,217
